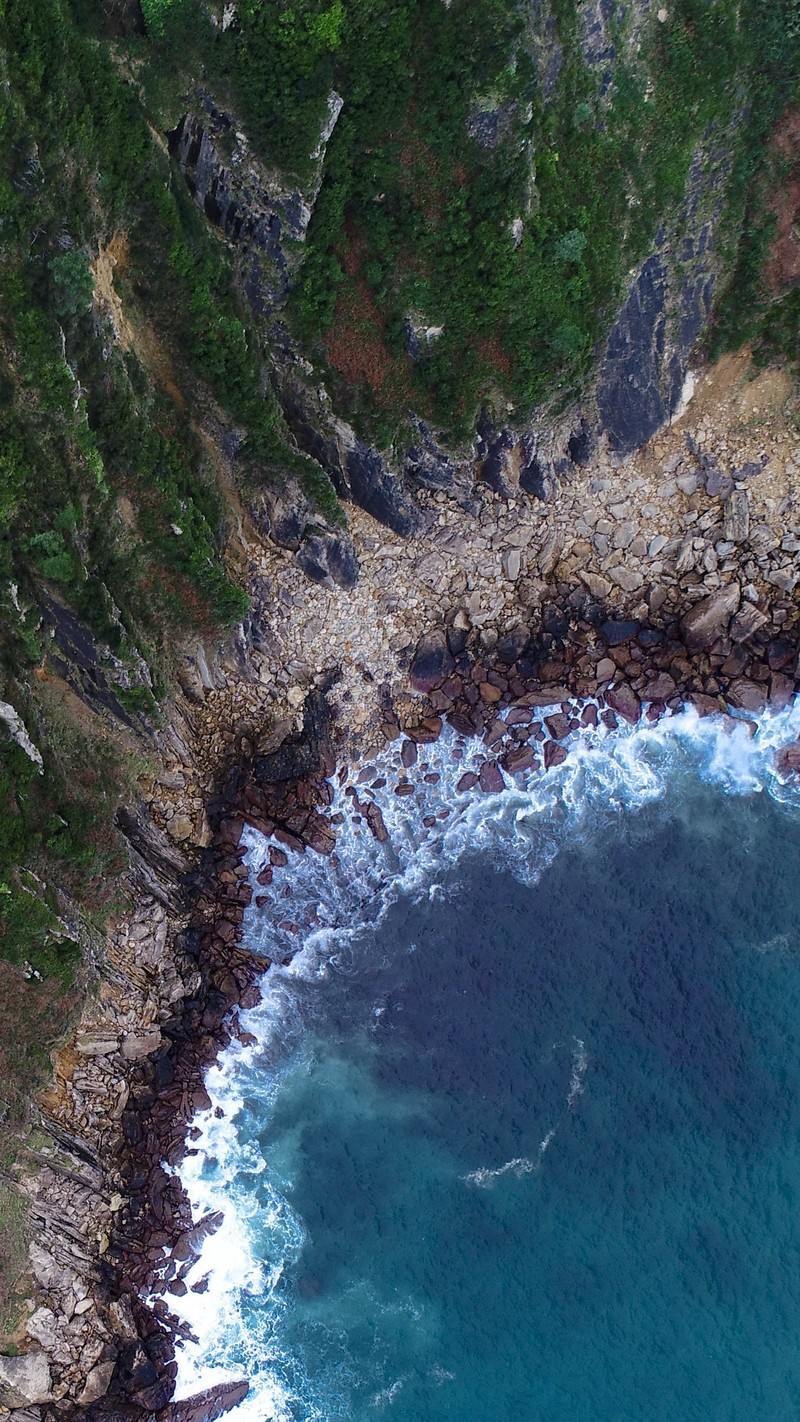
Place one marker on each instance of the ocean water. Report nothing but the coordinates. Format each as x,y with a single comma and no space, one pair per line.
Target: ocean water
519,1135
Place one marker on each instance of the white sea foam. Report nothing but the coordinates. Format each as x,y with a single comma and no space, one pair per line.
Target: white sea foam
580,1062
331,900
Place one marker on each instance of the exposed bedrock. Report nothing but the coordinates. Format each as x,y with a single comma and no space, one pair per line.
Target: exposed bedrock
640,369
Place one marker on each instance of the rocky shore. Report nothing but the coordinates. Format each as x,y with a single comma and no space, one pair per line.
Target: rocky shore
629,589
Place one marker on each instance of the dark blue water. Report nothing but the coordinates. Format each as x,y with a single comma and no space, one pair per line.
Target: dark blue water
540,1142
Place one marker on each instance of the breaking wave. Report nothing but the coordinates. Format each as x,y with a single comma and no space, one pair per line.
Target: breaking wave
316,910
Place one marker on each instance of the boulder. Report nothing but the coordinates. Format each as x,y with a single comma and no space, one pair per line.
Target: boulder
25,1380
748,620
374,819
615,631
623,699
746,695
433,662
518,759
97,1383
787,759
781,690
710,617
660,688
491,778
554,754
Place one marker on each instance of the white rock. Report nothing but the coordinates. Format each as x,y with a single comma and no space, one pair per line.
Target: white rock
512,561
626,578
25,1380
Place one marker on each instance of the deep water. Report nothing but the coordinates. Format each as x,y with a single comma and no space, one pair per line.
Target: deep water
520,1135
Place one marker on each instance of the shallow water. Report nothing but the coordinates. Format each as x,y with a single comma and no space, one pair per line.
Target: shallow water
520,1137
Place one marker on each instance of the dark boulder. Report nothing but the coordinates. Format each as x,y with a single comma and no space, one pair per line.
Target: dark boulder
378,492
433,662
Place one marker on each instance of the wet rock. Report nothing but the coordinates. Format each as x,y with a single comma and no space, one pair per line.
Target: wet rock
554,754
787,759
374,818
709,618
408,754
622,699
558,725
490,778
746,695
519,759
209,1405
468,781
433,662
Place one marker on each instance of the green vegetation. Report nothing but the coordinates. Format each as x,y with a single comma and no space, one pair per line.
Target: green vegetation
484,195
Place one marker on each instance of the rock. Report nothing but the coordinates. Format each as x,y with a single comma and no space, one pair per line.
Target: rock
550,552
491,778
408,754
136,1045
97,1383
433,662
25,1380
596,585
489,694
558,725
605,669
377,491
623,699
518,759
749,620
629,579
96,1044
209,1405
467,782
781,691
512,562
746,695
709,618
374,818
661,688
787,759
329,559
736,516
554,754
615,631
718,484
180,828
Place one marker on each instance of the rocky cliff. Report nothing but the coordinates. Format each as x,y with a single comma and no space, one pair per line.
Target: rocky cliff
315,355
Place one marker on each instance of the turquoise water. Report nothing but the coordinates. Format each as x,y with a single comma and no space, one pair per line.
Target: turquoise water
520,1137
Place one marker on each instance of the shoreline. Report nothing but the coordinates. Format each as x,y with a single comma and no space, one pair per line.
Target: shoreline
291,809
529,611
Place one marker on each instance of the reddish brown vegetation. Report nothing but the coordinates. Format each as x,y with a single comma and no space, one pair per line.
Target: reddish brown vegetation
782,268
